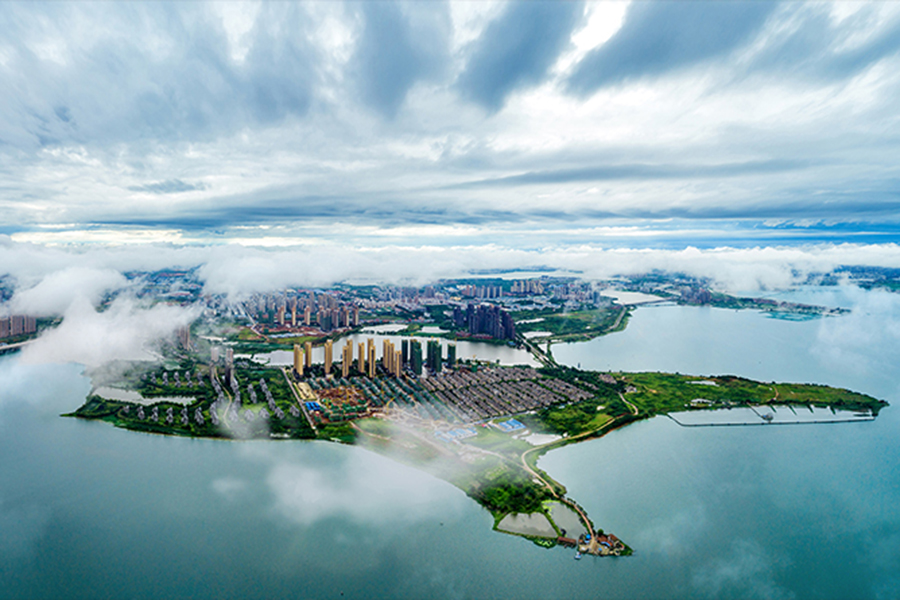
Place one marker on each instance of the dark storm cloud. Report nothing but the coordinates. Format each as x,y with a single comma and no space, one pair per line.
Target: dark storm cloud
399,46
517,49
659,37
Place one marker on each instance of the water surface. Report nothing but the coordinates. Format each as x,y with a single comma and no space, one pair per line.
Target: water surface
805,511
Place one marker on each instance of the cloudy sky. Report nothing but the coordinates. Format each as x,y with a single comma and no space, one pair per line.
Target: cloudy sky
454,122
506,130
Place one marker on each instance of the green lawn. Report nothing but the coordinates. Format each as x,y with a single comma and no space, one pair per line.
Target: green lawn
489,438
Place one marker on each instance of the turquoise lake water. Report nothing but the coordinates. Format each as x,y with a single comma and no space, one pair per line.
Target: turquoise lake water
805,511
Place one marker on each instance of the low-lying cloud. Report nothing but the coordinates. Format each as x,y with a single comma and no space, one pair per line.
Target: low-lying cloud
874,322
354,484
56,292
125,331
51,278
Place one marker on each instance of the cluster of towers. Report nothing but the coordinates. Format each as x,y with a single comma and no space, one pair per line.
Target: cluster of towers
16,325
393,359
215,356
321,310
481,291
485,319
527,287
184,337
303,357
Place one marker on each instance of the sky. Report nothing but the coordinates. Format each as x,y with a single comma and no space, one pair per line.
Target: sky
403,140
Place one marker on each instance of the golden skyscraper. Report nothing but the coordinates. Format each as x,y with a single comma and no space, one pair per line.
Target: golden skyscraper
361,361
298,359
308,354
327,358
372,359
346,359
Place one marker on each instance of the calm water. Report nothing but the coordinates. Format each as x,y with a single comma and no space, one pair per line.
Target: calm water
807,511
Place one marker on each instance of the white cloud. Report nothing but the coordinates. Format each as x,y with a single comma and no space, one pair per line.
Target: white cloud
198,106
56,292
874,322
124,331
363,487
51,276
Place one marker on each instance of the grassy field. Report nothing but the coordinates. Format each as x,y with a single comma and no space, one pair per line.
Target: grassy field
573,326
664,392
490,439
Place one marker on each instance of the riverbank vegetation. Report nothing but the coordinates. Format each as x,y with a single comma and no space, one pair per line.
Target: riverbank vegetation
571,326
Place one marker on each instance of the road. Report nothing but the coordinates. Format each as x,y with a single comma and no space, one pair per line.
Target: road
634,409
299,401
16,346
622,314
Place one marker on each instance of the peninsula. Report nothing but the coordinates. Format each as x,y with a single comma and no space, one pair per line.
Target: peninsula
478,426
383,367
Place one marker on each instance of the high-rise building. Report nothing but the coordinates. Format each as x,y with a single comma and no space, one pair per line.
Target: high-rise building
491,320
184,337
229,364
328,357
387,358
307,354
307,315
397,363
404,347
451,355
347,359
4,327
434,356
416,357
298,360
372,364
361,359
355,316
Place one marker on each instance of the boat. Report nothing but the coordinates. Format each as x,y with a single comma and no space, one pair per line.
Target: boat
578,556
